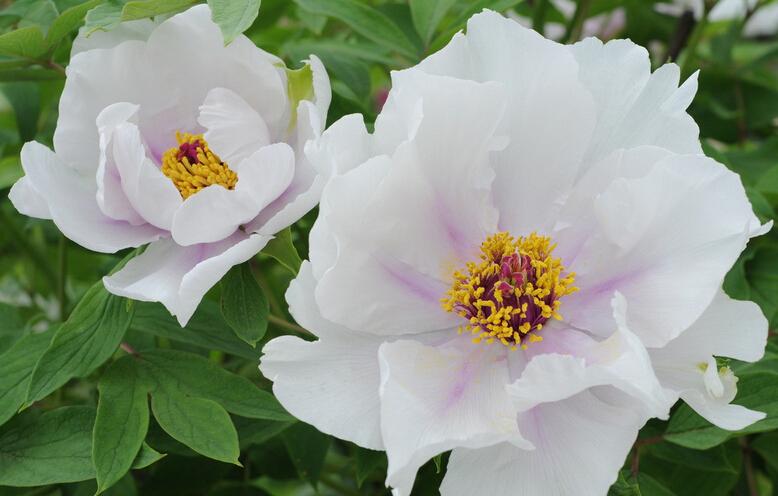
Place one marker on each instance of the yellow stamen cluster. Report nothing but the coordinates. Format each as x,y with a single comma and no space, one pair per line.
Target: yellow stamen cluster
512,291
192,166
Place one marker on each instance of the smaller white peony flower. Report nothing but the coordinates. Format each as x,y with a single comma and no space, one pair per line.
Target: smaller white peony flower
166,136
522,264
763,22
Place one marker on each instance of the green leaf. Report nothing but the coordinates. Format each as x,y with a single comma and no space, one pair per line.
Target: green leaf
684,471
307,448
365,20
87,339
625,485
25,100
757,391
201,424
53,447
427,14
122,421
282,249
16,366
68,21
23,74
767,447
367,462
257,431
194,375
141,9
146,457
233,16
25,42
206,329
243,304
104,17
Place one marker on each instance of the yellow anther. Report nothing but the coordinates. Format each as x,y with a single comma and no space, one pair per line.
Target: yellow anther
192,166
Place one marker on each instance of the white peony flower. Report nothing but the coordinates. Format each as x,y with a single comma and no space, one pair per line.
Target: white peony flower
763,22
521,264
166,136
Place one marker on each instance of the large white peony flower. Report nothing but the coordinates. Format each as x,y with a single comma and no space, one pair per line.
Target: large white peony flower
522,264
166,136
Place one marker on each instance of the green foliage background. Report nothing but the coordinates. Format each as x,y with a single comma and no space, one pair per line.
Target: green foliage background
98,393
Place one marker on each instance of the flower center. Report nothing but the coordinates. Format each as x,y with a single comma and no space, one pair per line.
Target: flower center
512,291
192,166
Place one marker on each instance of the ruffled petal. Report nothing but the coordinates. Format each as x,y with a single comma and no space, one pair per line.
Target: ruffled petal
563,461
72,204
215,212
331,383
179,276
435,398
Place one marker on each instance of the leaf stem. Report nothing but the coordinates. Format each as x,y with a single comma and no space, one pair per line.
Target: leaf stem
748,464
575,27
688,55
284,324
539,16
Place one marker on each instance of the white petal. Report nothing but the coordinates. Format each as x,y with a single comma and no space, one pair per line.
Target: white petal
436,398
688,215
215,212
179,276
305,188
110,195
205,63
151,194
397,271
27,200
95,80
129,30
234,130
620,361
634,106
728,328
580,444
73,207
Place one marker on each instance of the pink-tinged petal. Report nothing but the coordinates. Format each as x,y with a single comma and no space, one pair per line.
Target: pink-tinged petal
215,212
152,194
687,215
435,398
179,276
563,462
110,195
72,204
620,361
234,130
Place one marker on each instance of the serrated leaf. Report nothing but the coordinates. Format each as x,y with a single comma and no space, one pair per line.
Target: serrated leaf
53,447
16,366
87,339
201,424
282,249
307,448
243,304
196,376
427,14
122,421
365,20
24,42
206,329
141,9
68,21
233,16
